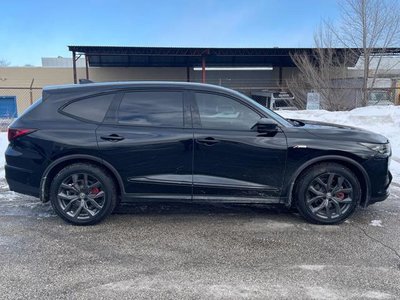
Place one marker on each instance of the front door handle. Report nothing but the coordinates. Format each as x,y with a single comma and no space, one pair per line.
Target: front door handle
112,137
208,141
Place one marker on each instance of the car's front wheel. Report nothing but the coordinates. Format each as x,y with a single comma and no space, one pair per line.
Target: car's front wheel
327,193
83,194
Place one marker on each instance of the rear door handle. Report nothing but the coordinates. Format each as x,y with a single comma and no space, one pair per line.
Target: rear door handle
208,141
112,137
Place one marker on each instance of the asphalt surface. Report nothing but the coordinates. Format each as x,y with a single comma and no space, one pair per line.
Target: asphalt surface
198,252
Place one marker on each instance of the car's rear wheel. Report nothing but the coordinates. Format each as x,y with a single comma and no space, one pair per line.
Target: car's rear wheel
83,194
327,193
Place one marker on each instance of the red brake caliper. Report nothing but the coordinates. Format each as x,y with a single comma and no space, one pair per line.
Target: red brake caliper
340,195
95,191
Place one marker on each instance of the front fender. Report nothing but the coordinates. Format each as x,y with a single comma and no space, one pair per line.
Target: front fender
366,194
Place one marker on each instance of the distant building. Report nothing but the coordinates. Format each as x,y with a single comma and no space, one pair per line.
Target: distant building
61,62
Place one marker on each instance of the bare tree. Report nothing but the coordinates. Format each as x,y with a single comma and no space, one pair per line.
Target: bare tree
4,63
325,72
368,25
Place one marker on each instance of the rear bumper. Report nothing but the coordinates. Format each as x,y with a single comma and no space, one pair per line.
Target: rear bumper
21,181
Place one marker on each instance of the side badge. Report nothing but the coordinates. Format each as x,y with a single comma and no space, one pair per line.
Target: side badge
299,146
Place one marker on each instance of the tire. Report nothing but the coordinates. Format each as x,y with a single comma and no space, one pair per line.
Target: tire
83,194
327,193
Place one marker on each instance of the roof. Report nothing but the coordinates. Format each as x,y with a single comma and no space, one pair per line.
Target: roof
108,86
112,56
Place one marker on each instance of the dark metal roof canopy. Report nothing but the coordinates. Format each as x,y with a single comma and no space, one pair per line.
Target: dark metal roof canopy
106,56
110,56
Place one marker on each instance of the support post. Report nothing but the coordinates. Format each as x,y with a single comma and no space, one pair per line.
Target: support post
30,91
87,66
188,74
203,69
74,66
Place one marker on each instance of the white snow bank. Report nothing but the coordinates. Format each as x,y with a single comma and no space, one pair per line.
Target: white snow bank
384,120
3,147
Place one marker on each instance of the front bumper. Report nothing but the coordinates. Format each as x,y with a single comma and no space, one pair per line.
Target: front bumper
384,193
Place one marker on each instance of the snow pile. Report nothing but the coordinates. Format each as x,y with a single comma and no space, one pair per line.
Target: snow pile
384,120
3,147
376,223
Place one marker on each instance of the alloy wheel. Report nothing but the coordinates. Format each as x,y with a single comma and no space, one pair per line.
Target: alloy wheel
81,196
329,196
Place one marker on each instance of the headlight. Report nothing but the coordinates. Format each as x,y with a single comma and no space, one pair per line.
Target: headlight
383,149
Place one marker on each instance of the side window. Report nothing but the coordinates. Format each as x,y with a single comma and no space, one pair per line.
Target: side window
164,109
91,109
219,112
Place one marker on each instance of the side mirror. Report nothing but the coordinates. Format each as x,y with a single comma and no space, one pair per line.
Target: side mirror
265,125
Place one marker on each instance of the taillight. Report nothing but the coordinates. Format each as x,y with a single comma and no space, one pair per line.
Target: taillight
14,133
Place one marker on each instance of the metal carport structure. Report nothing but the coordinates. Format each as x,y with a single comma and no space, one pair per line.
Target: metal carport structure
112,56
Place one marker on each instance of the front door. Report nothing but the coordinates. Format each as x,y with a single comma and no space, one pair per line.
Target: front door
147,139
232,161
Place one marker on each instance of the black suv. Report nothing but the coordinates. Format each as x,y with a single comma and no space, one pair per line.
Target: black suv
88,147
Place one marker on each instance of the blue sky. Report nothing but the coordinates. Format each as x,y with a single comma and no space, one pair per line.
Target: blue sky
30,30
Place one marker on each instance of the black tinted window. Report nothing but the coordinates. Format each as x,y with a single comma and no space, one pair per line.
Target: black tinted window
152,109
219,112
92,109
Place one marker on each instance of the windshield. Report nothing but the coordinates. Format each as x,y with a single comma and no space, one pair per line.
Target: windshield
271,113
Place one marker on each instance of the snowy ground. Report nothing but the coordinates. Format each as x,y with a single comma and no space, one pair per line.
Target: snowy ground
380,119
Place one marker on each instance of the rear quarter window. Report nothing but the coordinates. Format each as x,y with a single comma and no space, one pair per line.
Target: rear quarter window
91,109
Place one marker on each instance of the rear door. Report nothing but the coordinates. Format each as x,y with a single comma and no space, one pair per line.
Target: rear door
232,161
147,137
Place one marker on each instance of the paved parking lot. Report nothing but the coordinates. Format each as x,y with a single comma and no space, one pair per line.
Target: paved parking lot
198,251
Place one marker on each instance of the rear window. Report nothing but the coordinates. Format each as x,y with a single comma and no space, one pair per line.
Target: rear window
91,109
159,109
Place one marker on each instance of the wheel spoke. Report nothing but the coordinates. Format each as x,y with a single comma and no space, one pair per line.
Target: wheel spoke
330,180
75,178
315,191
78,210
94,203
312,200
318,208
337,206
67,197
68,206
69,187
345,190
96,184
320,182
90,212
98,195
339,184
328,211
347,200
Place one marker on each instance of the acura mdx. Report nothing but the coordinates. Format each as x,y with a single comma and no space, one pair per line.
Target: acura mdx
87,148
